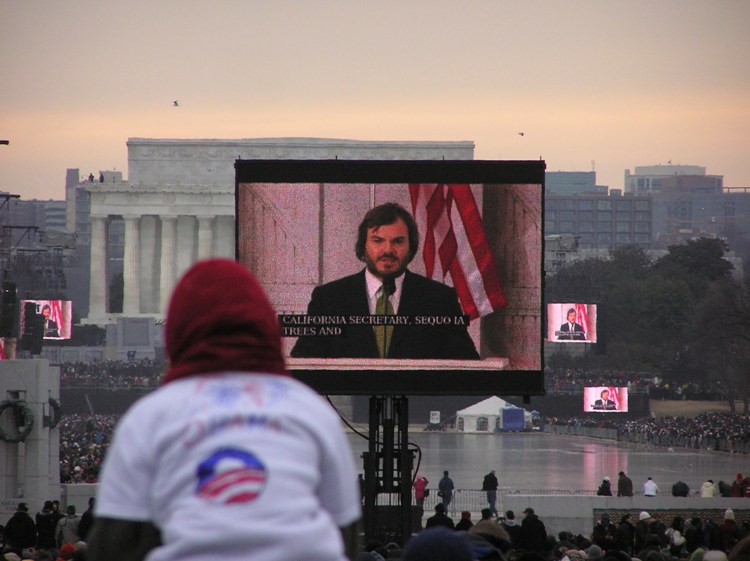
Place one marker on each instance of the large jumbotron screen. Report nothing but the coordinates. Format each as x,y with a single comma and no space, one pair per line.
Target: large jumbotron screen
456,246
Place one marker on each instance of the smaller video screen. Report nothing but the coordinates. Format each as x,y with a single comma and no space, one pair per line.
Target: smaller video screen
56,317
571,322
605,399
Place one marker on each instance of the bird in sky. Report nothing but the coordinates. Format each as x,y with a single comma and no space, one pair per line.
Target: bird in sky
176,103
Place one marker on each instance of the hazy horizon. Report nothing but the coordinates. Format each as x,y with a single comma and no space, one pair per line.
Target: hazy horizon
595,85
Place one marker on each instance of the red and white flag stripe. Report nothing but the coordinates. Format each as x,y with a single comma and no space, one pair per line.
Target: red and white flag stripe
454,244
582,316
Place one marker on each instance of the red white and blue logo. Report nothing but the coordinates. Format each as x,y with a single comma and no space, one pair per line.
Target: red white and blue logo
231,476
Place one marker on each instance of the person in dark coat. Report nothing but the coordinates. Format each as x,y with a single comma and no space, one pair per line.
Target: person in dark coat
489,486
680,489
533,532
20,530
624,485
730,531
604,532
87,519
439,518
605,489
512,527
46,522
465,523
625,535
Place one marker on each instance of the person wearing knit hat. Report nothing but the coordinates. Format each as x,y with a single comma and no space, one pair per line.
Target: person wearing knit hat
730,531
714,555
231,453
66,551
465,523
737,489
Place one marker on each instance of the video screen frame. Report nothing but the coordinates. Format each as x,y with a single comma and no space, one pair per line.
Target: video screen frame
585,318
353,376
57,320
615,400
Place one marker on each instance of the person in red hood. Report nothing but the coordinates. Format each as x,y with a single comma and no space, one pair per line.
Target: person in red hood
231,457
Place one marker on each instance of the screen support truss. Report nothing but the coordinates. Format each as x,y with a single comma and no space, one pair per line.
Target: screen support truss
388,472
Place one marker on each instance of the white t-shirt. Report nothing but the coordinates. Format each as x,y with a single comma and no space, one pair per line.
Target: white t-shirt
233,466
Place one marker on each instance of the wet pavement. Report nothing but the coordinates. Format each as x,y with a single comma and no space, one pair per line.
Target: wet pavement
538,461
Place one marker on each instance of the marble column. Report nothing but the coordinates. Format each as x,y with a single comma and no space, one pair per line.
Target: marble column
205,236
168,263
131,305
99,278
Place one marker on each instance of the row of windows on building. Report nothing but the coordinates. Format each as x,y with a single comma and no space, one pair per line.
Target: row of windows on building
574,203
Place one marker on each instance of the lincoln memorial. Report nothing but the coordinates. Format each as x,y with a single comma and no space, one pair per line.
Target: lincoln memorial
178,207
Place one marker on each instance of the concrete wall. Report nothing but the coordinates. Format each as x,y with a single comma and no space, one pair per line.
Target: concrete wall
30,469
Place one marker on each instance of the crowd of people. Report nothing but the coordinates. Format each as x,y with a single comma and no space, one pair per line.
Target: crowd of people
48,535
51,535
714,431
120,374
146,372
725,432
84,440
642,537
573,380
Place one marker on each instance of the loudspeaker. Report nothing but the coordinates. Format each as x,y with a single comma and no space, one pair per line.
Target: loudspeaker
8,309
33,329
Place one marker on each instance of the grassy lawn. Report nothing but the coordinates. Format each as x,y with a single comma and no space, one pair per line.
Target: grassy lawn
689,408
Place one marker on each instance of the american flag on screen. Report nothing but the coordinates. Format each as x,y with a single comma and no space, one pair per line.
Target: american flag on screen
56,313
454,244
614,395
582,316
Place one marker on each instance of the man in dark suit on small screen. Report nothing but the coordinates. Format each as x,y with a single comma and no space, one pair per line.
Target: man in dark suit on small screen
50,325
604,404
387,242
570,330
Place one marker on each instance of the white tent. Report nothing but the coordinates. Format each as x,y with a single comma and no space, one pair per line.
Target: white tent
485,416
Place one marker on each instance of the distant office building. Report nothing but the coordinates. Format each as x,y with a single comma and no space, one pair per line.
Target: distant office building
572,183
53,215
78,191
686,210
651,179
600,221
34,246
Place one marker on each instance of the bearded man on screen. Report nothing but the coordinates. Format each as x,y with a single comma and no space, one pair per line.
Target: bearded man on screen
387,242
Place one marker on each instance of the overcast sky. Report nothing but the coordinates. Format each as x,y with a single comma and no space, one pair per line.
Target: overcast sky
593,84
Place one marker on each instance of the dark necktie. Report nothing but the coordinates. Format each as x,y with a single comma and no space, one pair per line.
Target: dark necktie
383,333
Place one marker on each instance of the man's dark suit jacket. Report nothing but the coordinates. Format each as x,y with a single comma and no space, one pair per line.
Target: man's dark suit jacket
576,335
420,297
608,404
50,330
